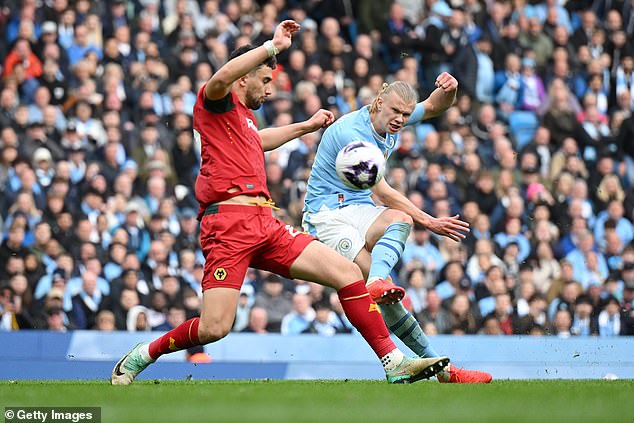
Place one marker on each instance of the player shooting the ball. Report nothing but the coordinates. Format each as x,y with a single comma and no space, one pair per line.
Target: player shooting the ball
374,236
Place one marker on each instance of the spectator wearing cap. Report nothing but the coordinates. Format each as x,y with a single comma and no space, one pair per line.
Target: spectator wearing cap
43,166
533,93
36,137
188,235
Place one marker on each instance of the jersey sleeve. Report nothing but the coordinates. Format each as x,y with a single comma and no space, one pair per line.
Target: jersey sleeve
222,105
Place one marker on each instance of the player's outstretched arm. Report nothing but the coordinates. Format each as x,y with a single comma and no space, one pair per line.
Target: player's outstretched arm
451,227
275,137
220,83
442,97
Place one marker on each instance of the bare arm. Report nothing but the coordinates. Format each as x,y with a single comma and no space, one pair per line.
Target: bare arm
451,227
442,97
275,137
220,83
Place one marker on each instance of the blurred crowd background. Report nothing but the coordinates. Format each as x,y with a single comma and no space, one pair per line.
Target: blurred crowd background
98,158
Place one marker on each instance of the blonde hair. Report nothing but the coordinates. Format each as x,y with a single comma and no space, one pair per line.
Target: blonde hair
400,88
605,195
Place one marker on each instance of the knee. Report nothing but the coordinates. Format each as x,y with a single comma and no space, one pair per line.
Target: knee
352,272
397,216
212,331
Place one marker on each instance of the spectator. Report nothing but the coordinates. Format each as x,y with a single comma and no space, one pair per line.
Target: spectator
610,318
274,300
300,317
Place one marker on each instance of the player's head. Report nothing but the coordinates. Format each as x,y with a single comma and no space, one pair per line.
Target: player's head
393,106
257,83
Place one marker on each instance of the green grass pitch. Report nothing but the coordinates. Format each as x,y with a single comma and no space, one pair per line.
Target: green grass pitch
335,401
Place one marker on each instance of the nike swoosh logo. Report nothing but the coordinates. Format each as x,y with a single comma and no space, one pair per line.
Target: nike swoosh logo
117,369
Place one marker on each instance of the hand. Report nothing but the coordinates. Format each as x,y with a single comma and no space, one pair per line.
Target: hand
451,227
321,119
283,34
446,82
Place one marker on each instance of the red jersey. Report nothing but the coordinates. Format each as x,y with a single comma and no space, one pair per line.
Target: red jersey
231,150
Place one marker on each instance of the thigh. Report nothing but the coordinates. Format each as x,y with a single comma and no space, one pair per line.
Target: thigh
228,243
384,219
319,263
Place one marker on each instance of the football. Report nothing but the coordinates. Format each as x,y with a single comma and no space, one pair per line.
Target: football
360,165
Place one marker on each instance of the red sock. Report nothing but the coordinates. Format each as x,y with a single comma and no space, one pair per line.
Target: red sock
180,338
365,315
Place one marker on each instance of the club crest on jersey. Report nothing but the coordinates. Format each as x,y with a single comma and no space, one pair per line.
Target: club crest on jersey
220,274
345,244
251,125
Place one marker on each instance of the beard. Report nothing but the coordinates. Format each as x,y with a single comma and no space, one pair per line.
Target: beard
253,102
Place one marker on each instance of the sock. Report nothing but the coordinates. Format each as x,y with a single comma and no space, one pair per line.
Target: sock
388,250
365,315
180,338
392,359
405,326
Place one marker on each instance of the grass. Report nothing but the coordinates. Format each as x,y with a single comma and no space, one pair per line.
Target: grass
334,401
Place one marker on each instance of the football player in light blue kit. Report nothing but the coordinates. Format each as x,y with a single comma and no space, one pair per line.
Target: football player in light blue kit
374,236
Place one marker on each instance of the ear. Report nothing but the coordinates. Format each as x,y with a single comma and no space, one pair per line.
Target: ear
243,80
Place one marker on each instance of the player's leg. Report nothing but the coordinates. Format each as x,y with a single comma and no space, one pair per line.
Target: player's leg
217,315
344,231
319,263
225,266
386,237
400,321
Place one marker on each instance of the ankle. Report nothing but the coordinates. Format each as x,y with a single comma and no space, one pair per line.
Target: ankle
392,359
372,280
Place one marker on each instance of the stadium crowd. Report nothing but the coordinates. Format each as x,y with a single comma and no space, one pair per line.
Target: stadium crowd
98,158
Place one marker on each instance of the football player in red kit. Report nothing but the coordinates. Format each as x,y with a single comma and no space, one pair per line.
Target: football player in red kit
238,229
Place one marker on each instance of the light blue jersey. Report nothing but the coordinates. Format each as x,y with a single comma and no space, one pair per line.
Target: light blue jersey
325,190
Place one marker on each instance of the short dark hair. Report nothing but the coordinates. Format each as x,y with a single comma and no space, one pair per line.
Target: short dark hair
271,62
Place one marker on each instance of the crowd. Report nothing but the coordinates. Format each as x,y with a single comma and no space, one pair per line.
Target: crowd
98,158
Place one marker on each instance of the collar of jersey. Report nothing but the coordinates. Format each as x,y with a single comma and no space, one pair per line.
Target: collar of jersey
379,139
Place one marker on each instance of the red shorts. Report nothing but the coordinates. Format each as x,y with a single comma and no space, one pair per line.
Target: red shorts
234,237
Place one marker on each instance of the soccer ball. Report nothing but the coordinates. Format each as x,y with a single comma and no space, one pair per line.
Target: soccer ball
360,165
